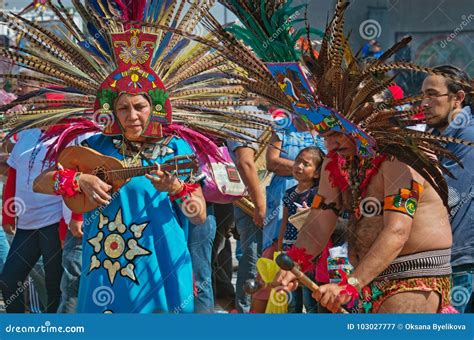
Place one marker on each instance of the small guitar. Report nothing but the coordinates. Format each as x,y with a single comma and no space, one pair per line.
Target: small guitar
111,171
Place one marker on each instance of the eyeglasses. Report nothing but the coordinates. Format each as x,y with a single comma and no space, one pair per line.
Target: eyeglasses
433,96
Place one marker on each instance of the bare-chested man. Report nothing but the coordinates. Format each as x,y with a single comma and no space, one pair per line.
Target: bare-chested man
399,234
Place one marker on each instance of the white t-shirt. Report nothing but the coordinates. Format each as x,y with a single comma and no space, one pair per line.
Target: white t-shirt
67,214
33,210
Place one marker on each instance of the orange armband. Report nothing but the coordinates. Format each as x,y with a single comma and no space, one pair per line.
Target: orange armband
406,201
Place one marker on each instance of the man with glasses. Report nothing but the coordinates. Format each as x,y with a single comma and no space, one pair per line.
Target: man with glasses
448,109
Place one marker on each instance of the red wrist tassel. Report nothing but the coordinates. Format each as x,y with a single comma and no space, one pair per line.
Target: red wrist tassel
301,258
184,193
65,182
348,289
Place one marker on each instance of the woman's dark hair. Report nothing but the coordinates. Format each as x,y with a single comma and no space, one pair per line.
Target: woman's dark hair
318,156
454,87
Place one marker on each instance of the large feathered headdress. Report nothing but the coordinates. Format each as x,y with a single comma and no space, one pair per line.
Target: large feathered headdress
347,85
335,92
205,80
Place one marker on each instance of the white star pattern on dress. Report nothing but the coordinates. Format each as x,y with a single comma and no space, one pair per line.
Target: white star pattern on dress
115,245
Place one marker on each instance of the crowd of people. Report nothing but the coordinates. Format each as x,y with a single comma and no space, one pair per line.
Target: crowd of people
119,218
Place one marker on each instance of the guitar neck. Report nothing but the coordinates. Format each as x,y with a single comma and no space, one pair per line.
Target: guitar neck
126,173
129,172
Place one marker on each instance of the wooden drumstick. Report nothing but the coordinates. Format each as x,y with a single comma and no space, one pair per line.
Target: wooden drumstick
286,263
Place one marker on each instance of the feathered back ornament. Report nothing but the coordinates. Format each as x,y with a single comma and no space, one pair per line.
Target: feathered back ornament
268,28
347,86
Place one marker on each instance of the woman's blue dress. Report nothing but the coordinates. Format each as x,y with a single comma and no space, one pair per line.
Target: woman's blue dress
135,257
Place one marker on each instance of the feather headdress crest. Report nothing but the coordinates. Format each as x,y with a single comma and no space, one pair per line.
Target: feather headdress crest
336,90
139,47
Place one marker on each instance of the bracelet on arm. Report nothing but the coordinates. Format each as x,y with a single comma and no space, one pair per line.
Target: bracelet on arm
184,193
65,181
77,217
318,203
301,258
351,287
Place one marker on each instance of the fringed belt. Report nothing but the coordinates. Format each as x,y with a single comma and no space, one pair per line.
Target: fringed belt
422,264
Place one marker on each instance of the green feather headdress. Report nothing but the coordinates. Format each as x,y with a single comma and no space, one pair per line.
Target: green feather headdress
265,27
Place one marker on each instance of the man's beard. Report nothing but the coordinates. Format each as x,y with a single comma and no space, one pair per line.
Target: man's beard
441,124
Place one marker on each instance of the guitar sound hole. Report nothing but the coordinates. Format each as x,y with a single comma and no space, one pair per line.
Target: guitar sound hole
101,173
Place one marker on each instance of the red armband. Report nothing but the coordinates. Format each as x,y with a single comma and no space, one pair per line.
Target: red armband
65,182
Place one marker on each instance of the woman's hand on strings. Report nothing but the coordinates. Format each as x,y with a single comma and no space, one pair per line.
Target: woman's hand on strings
164,181
95,189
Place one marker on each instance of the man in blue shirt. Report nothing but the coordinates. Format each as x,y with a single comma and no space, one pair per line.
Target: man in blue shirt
448,108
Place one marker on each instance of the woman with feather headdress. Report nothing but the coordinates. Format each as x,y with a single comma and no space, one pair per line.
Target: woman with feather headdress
135,248
135,256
